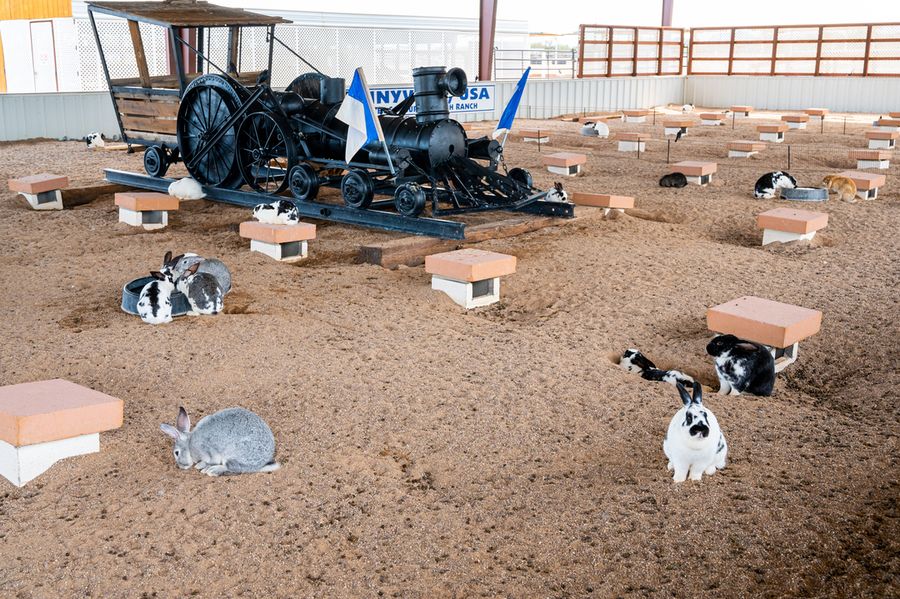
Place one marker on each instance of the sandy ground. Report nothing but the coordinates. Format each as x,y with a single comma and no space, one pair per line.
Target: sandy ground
432,452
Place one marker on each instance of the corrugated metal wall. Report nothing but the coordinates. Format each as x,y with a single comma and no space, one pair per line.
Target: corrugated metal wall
839,94
34,9
57,116
74,115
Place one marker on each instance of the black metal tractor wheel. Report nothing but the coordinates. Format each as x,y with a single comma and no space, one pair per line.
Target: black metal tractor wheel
520,175
304,182
266,152
208,102
156,161
409,199
357,189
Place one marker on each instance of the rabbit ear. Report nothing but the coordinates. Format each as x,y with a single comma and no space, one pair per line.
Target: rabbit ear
157,275
698,393
169,430
747,346
192,269
167,258
685,398
184,421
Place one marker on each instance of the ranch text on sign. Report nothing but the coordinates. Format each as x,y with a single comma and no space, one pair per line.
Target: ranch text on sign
477,98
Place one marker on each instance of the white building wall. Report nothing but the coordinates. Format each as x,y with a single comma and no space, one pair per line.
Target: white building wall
19,62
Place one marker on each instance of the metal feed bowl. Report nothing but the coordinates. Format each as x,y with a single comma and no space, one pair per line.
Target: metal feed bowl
132,292
805,194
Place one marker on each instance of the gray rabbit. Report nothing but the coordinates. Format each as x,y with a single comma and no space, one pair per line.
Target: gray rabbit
178,264
202,290
231,441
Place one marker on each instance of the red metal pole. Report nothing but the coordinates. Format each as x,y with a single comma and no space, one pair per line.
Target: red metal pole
487,25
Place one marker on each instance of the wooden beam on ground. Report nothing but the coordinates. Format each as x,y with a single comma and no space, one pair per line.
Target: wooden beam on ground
77,196
411,251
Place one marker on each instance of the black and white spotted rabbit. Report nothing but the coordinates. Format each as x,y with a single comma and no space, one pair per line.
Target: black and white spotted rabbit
770,183
742,366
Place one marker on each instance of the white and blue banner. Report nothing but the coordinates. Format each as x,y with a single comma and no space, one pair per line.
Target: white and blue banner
477,98
357,111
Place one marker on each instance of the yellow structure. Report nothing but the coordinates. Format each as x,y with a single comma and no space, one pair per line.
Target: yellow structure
35,9
2,70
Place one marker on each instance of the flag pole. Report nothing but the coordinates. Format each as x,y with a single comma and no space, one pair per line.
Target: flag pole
374,114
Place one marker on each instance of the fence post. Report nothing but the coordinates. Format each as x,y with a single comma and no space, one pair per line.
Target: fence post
733,119
789,157
845,125
668,149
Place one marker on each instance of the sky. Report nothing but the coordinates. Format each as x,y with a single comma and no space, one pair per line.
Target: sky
564,16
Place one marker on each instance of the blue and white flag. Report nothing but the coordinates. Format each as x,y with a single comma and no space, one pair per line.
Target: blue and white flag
509,113
359,114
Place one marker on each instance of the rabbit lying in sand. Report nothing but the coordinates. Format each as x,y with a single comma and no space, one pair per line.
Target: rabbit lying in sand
694,442
231,441
635,362
844,187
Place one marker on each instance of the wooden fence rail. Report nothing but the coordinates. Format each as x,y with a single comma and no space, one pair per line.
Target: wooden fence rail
866,50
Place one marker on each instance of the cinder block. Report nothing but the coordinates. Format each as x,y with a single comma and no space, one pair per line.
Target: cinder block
534,136
602,200
742,110
146,209
631,142
636,116
711,118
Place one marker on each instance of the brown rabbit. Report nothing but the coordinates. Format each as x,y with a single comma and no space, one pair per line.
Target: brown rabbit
843,186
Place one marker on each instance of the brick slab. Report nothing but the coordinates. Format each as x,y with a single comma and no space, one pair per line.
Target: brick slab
764,321
35,184
564,159
144,201
865,181
56,409
602,200
470,265
267,233
791,220
694,168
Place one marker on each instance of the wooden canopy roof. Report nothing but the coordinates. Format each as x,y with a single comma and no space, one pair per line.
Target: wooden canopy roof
183,13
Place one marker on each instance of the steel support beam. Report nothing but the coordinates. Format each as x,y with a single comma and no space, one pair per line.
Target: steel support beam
668,6
487,26
378,219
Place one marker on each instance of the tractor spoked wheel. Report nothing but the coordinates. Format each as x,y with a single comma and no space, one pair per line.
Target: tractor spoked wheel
207,103
409,199
304,182
357,189
266,152
156,161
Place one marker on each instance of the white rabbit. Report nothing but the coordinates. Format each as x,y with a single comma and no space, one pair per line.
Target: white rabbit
557,194
186,189
694,442
155,301
231,441
687,108
598,129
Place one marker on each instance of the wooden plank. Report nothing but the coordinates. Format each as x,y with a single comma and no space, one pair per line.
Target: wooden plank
411,251
234,44
819,50
868,50
634,68
580,55
148,108
609,51
153,124
148,136
774,52
143,72
76,196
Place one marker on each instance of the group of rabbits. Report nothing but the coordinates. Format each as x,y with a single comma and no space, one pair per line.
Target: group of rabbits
694,442
203,281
